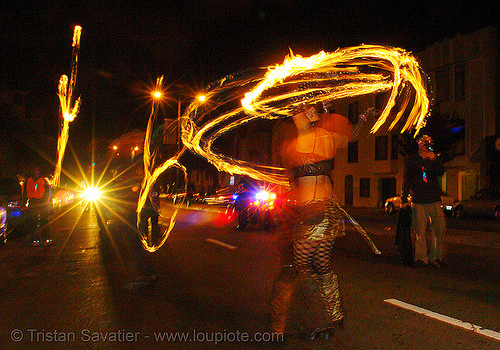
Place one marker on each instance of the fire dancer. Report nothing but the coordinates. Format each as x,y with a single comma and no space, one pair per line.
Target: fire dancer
318,223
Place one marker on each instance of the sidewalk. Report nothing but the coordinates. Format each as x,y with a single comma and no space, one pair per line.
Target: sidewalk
386,223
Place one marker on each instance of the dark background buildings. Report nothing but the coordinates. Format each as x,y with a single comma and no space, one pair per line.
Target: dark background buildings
125,46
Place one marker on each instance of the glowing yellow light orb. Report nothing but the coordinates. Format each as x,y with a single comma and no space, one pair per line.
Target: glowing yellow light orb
91,194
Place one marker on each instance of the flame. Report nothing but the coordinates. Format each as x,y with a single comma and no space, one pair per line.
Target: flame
328,68
65,93
275,94
325,76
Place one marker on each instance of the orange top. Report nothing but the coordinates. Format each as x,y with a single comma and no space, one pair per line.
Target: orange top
35,189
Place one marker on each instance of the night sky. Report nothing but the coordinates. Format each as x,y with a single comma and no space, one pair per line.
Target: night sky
126,45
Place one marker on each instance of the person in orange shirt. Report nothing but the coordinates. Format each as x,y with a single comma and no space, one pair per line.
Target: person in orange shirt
38,194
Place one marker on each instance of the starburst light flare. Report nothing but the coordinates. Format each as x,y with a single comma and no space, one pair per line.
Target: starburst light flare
65,93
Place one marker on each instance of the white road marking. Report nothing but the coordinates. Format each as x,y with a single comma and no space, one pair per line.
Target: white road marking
222,244
453,321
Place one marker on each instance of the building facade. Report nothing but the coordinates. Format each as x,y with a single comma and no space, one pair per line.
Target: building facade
464,76
463,72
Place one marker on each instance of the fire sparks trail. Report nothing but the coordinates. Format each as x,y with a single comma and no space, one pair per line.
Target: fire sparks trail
325,76
361,70
151,175
65,93
276,93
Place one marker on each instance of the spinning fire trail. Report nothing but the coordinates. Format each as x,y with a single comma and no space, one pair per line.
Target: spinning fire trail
151,175
65,93
276,93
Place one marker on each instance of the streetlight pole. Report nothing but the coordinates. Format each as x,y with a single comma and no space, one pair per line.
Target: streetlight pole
201,98
156,95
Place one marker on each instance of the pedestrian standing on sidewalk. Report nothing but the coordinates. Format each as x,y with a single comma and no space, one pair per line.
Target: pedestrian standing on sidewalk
421,181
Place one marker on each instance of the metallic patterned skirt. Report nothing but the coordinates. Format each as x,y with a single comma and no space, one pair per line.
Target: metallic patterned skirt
319,219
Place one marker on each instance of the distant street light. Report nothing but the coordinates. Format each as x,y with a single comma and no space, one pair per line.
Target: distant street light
157,94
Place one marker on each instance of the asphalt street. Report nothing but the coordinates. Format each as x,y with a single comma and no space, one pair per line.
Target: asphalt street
214,286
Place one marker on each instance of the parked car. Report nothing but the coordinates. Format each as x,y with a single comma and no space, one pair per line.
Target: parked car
448,203
221,197
187,197
178,197
483,203
11,192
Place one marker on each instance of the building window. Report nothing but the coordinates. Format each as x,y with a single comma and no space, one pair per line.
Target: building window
443,84
381,147
394,146
460,82
353,113
364,187
352,152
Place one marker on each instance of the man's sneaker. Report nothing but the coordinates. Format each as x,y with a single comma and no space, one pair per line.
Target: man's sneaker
36,243
48,242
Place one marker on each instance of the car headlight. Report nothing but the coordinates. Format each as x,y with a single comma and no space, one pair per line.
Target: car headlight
91,194
263,195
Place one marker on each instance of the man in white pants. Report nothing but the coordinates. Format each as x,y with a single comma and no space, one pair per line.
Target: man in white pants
421,180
